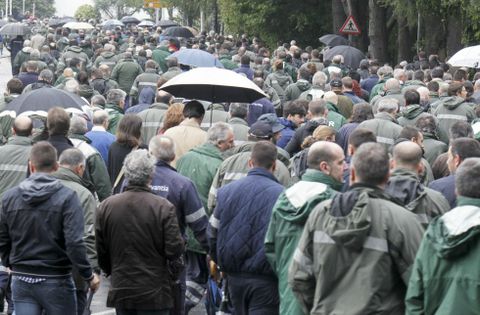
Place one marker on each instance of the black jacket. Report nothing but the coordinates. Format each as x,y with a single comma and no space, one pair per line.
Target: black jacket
41,229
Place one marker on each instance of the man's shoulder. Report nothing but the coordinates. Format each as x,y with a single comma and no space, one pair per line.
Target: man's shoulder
443,182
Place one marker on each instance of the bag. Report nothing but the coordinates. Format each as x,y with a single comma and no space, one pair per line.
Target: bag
118,180
226,306
87,310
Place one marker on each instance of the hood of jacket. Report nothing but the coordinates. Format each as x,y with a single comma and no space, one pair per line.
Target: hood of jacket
405,187
349,222
75,49
412,111
38,188
147,95
85,90
281,77
452,102
312,124
303,85
452,234
287,123
66,174
108,54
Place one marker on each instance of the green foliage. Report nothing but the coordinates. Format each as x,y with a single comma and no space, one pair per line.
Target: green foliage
43,8
86,12
118,8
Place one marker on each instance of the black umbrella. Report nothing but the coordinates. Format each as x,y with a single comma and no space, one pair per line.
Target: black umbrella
38,102
147,23
178,32
14,29
57,22
333,40
351,55
166,23
130,20
109,24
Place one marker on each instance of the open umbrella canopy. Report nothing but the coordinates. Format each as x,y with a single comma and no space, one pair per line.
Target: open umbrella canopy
129,20
147,23
466,57
57,22
166,23
178,31
3,22
351,55
108,24
333,40
78,26
14,29
196,58
38,102
214,85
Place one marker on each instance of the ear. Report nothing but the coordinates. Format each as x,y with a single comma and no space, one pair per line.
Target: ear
353,177
393,164
250,163
31,167
420,168
274,166
55,167
457,160
324,167
350,150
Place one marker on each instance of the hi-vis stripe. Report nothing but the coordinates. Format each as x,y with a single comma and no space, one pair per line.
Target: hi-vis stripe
13,167
385,140
371,242
452,116
195,216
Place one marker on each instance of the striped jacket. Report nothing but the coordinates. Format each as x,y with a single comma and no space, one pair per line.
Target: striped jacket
14,162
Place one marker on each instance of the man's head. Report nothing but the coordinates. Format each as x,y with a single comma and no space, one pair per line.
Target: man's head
327,157
58,121
358,137
361,112
194,109
413,134
392,85
100,118
347,84
172,62
467,178
412,97
461,149
319,79
117,97
78,125
139,166
15,86
388,105
162,148
43,158
264,155
317,109
457,89
427,124
331,97
22,126
276,126
295,112
238,110
163,97
74,160
460,129
98,101
370,164
407,155
336,85
221,135
260,131
46,75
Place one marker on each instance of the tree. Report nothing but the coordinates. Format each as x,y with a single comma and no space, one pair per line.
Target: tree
86,12
119,8
43,8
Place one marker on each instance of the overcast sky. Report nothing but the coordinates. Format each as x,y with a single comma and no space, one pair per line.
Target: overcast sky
68,8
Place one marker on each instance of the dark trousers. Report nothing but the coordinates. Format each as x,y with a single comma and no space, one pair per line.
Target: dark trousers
253,295
197,277
122,311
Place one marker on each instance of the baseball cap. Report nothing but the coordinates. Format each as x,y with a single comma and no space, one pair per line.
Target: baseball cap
272,120
261,129
336,83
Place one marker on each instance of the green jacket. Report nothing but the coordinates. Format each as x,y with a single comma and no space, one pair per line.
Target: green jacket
384,127
147,79
115,114
445,275
240,129
433,147
200,165
152,120
411,114
74,52
160,55
21,57
286,225
379,86
106,58
427,204
227,62
294,90
279,80
125,73
14,158
355,255
451,110
335,119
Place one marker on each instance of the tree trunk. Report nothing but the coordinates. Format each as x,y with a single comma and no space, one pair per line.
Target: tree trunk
377,31
454,30
361,17
434,32
338,15
405,40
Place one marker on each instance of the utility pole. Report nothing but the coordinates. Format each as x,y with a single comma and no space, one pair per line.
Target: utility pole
23,7
33,9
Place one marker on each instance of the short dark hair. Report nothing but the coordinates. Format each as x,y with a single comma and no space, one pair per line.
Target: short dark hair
467,178
454,88
193,109
43,156
264,154
74,62
245,60
409,132
460,75
239,110
411,97
460,129
317,107
129,130
371,163
433,86
15,86
465,148
427,124
58,121
172,62
294,108
360,136
361,112
163,97
437,73
419,75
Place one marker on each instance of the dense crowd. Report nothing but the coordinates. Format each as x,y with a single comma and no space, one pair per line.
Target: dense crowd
343,191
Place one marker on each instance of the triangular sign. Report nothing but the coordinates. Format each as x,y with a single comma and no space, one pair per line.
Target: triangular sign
350,27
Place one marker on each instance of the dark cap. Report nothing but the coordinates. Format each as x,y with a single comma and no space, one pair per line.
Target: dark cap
272,120
336,83
261,129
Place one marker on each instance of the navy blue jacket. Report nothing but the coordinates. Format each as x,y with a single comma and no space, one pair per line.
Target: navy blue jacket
181,192
42,228
258,108
446,186
239,223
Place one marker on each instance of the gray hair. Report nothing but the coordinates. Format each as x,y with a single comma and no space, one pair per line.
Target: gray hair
34,54
389,105
46,75
78,125
371,163
392,84
382,71
319,79
99,117
398,73
71,158
115,96
238,110
162,148
98,100
109,47
467,178
218,132
71,86
139,167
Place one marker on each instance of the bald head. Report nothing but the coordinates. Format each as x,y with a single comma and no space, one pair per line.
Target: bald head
392,84
22,126
407,154
323,151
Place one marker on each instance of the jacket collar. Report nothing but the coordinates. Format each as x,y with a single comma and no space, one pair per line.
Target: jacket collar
237,121
312,175
467,201
67,174
18,140
164,164
190,122
159,106
60,139
114,107
135,188
385,116
259,171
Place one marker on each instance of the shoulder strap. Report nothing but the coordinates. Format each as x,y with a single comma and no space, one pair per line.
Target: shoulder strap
119,177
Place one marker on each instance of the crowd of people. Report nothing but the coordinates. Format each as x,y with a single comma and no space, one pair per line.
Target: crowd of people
343,191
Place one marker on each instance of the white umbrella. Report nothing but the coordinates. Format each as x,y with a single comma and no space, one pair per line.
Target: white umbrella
467,57
214,85
78,26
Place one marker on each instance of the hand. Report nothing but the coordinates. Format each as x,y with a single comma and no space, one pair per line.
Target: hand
95,283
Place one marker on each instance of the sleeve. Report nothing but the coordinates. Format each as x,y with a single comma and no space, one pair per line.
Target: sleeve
270,240
73,230
89,207
115,73
174,245
195,215
99,176
301,277
134,89
294,144
103,252
212,233
5,241
414,300
216,184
